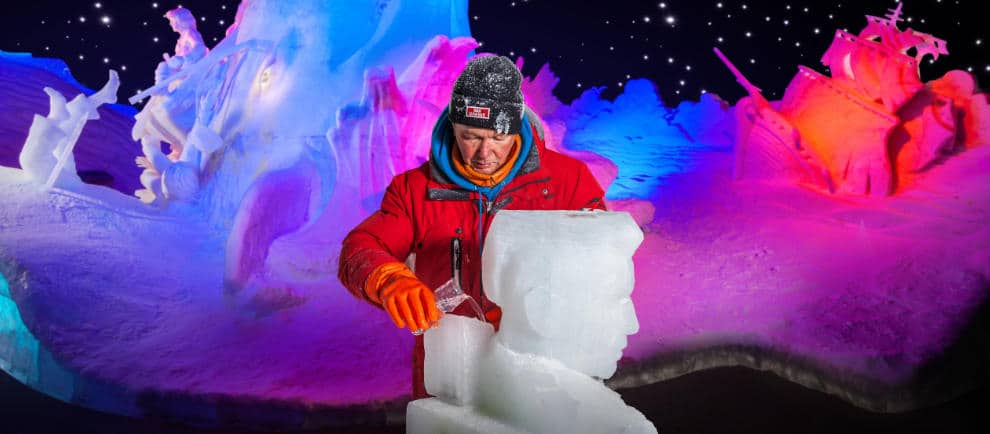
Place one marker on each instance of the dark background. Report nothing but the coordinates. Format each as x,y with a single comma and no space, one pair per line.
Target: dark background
721,400
587,43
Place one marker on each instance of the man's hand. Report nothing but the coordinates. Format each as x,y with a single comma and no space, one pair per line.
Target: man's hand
408,301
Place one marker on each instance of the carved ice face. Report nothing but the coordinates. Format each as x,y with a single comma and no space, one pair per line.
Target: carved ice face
564,281
579,304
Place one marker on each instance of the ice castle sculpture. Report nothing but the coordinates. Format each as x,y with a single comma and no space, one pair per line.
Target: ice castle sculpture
563,279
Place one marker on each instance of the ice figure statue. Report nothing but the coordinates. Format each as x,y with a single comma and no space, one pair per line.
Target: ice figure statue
47,153
189,48
563,329
165,177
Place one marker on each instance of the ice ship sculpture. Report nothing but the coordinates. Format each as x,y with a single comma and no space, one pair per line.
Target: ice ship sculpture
868,127
563,279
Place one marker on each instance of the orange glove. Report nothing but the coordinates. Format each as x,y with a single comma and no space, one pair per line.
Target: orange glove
407,300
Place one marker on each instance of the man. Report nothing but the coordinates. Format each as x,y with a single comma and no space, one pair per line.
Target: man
488,154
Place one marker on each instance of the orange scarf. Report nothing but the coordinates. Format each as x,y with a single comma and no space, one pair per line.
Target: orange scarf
480,179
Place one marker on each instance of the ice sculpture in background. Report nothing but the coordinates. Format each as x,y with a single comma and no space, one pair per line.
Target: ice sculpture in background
388,130
182,180
427,83
366,137
562,331
871,126
47,153
248,120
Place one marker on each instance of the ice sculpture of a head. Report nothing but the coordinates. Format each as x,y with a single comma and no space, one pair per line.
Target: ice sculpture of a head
181,20
563,280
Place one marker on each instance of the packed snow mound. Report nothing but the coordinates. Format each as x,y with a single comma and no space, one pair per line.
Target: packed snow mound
865,299
100,281
851,298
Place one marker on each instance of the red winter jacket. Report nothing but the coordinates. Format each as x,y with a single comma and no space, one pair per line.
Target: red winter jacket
422,211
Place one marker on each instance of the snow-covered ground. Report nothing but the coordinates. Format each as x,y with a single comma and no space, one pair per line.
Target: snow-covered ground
98,281
854,297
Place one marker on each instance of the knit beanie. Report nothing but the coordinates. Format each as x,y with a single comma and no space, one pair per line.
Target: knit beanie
487,95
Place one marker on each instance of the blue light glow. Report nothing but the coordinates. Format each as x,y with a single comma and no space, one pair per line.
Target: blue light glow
646,140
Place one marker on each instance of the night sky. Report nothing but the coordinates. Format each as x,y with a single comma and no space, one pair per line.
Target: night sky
588,44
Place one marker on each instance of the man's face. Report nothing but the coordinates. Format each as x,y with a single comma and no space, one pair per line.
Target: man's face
483,149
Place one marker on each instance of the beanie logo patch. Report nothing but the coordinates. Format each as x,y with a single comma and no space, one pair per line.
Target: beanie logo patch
477,112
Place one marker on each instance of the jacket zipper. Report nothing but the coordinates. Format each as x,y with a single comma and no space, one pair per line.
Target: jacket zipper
455,259
484,209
